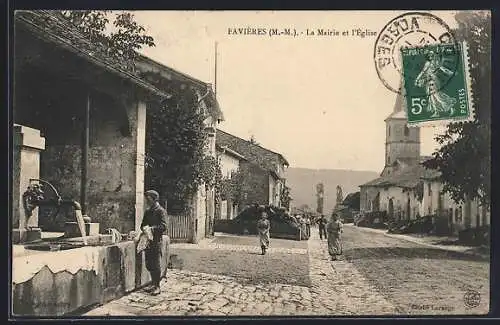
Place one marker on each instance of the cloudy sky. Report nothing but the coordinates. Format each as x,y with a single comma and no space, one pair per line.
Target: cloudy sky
317,100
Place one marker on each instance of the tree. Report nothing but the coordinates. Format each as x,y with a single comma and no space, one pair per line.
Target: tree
340,196
285,197
121,38
320,196
464,158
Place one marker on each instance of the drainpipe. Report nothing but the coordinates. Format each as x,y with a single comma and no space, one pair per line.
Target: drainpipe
85,156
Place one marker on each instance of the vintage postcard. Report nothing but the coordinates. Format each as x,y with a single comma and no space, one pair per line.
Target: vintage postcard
250,163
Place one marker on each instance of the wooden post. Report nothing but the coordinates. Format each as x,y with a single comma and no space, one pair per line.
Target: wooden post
85,156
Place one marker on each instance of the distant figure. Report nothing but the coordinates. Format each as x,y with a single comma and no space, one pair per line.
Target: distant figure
334,229
263,227
322,227
308,226
154,224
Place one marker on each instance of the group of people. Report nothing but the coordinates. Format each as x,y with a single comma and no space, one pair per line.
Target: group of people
154,225
331,230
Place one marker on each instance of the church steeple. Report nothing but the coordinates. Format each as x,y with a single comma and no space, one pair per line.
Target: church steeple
402,145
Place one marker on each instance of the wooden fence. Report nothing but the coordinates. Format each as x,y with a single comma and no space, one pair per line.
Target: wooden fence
180,229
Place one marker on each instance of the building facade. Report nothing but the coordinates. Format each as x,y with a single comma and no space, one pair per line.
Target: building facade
406,189
229,162
262,168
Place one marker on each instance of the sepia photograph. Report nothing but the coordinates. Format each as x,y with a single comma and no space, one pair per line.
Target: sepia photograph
250,163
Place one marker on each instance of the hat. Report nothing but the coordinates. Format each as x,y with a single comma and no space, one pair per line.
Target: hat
152,194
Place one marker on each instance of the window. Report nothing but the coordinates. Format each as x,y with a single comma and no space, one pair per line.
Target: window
406,131
429,189
389,130
388,159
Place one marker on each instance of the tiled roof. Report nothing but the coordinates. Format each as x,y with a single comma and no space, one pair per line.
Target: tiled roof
53,27
254,153
210,100
408,177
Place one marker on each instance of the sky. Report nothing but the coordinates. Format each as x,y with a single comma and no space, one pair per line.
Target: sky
316,99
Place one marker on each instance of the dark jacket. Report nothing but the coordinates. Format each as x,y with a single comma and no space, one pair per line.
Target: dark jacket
156,218
322,222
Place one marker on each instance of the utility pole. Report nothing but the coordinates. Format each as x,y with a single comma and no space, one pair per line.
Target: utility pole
215,72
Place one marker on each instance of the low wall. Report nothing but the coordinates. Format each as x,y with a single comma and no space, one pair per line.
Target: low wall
59,283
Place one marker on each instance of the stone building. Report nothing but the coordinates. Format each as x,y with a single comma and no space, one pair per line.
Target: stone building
263,169
406,189
91,111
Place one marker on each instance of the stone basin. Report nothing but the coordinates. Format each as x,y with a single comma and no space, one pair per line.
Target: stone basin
70,243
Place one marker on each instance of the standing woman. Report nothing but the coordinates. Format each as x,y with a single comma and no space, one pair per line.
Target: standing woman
263,227
334,229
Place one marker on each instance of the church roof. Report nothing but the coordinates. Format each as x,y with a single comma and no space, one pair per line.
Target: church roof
407,178
399,110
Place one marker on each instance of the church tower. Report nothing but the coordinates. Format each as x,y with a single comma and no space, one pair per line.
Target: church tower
402,145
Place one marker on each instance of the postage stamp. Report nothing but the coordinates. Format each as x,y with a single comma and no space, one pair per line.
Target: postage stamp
409,30
437,84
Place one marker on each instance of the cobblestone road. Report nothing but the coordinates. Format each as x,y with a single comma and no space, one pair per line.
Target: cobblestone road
377,276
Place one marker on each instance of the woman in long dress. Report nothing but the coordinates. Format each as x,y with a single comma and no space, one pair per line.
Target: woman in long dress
438,101
263,226
334,228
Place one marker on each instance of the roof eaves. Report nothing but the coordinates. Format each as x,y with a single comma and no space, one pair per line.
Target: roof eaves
54,38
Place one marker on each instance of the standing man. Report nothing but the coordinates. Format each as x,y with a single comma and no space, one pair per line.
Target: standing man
322,227
155,219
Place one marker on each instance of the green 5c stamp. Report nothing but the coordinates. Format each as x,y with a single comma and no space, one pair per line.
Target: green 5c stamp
437,84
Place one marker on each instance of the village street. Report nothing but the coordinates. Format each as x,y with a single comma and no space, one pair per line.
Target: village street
378,275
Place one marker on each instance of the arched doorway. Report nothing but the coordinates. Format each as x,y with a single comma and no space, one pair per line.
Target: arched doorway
390,211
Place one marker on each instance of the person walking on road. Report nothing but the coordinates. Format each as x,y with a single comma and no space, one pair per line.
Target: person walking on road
334,229
155,223
322,227
263,226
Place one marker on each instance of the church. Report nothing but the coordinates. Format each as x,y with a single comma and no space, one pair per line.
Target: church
407,190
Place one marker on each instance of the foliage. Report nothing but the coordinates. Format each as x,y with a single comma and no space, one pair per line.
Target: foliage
176,161
285,197
120,40
320,189
464,158
340,196
352,201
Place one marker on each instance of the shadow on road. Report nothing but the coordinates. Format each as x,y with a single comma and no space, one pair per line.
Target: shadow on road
409,252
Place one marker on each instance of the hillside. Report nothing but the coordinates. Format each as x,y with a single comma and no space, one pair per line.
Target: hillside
302,182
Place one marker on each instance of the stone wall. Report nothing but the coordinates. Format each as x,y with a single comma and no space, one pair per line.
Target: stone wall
115,167
55,104
64,282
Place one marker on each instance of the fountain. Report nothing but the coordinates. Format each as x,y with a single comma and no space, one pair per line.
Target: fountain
34,197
